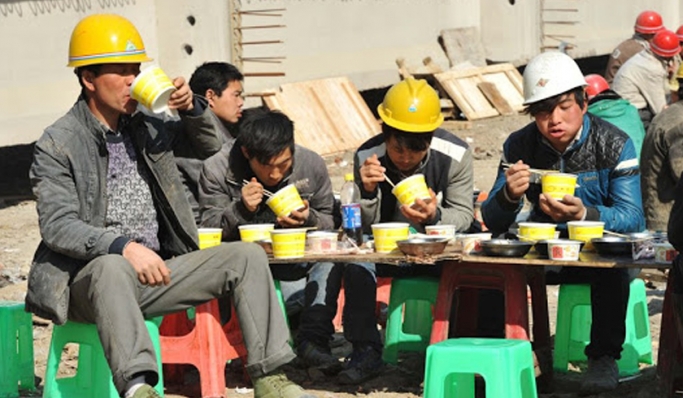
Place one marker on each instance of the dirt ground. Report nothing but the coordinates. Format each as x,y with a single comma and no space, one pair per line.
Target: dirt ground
19,237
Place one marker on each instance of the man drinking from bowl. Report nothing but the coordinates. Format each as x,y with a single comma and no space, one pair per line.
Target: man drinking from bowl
564,137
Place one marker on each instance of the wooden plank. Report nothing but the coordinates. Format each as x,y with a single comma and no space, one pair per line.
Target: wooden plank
464,88
493,95
329,115
463,45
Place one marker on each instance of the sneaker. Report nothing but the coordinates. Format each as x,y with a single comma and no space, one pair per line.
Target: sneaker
314,357
146,391
602,375
277,385
363,364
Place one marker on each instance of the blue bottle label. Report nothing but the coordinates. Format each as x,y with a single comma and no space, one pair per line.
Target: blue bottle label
351,216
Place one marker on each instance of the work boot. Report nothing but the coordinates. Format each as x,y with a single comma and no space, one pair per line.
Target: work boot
314,357
146,391
277,385
364,363
602,375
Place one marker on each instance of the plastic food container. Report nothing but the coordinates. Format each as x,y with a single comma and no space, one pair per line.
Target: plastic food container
387,234
536,231
664,253
585,231
471,243
564,249
322,242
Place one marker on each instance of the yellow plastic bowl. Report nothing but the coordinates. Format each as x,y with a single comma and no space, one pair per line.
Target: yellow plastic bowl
410,189
288,243
209,237
558,184
536,231
585,231
286,200
254,232
152,88
387,234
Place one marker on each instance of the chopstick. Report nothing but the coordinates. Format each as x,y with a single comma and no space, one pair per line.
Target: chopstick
245,182
537,171
386,178
615,234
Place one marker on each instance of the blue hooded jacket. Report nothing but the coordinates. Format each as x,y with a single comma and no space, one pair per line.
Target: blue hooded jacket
605,161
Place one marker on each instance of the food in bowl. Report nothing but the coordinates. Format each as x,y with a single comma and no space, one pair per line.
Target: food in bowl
542,247
664,253
557,185
585,231
471,243
505,247
322,241
421,247
535,231
564,249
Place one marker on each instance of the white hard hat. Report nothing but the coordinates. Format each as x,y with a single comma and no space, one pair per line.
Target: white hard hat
549,74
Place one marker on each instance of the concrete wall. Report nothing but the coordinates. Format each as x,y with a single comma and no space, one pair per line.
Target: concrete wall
522,28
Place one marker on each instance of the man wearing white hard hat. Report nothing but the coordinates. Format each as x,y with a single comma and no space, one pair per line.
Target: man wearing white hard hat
564,137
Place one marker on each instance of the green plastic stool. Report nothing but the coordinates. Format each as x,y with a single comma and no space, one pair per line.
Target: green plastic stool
574,319
409,328
506,365
93,377
16,349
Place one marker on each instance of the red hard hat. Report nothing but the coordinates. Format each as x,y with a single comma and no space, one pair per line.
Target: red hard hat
679,33
596,85
648,22
665,44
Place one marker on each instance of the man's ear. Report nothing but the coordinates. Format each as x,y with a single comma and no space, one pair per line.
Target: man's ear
87,78
245,152
210,95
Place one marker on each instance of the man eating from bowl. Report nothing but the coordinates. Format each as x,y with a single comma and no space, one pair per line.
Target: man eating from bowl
564,137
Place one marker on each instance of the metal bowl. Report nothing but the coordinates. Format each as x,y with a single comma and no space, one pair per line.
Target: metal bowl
542,247
423,246
613,246
506,247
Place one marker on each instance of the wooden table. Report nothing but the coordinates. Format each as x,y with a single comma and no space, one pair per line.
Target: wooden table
531,267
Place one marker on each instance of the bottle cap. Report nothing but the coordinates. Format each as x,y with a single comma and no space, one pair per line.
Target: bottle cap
348,177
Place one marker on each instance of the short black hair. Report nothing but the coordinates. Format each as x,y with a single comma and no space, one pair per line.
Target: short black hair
94,69
215,76
547,105
416,142
265,134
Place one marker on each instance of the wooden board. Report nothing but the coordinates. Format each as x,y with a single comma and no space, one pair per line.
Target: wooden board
463,86
463,45
329,115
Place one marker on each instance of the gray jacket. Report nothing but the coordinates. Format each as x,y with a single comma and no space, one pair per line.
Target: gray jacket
69,179
661,165
220,191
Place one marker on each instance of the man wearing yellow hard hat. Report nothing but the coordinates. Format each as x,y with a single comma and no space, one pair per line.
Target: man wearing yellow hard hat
411,143
564,137
119,239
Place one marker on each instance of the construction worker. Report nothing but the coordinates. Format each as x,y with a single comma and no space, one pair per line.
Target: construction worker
608,105
676,64
662,162
643,79
411,142
564,137
221,84
647,24
119,240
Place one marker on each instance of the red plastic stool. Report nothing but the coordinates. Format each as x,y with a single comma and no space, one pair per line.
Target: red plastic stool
204,343
383,291
512,280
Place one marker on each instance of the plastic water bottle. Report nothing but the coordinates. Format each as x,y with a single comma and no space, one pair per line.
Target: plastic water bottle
350,210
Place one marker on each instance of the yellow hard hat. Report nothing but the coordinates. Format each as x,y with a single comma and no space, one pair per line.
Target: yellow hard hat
105,39
411,105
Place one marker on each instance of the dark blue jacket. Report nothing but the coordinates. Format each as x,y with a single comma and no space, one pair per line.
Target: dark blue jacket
605,161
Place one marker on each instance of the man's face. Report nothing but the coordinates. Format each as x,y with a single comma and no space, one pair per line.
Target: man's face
561,125
227,106
110,88
404,159
272,173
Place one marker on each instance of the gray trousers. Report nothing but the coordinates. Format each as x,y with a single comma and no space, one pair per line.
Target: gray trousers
107,292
